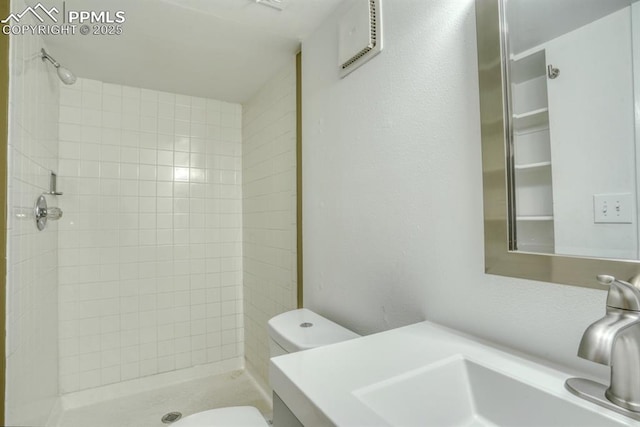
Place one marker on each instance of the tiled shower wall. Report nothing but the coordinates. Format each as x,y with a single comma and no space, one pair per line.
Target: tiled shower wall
269,211
32,277
150,244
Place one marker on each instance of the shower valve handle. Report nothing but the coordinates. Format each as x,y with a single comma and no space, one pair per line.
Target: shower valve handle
44,213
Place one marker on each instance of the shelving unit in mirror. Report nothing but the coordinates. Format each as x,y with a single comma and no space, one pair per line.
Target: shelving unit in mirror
532,152
532,165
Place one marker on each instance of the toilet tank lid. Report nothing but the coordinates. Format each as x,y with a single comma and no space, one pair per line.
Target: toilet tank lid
291,331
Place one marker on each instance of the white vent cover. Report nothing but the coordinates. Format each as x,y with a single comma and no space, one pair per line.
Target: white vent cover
360,34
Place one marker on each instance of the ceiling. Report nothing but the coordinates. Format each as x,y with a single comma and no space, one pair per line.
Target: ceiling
533,22
221,49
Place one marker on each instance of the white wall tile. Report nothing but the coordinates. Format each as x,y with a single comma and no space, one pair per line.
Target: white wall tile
126,289
32,355
268,213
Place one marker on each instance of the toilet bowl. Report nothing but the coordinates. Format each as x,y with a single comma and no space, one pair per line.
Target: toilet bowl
236,416
289,332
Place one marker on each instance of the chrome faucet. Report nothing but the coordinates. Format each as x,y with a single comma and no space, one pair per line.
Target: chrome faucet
614,340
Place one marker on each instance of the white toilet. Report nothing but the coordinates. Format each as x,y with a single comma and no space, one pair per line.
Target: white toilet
289,332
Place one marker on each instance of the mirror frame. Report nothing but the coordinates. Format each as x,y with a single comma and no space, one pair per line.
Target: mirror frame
499,260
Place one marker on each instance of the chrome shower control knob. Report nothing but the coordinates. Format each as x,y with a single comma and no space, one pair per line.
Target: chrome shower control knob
43,213
40,212
54,213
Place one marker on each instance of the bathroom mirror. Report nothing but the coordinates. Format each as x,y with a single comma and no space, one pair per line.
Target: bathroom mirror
558,137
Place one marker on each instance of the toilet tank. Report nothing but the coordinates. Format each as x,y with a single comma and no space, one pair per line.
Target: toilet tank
303,329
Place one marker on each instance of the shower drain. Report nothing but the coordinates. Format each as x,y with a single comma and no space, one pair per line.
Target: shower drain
171,417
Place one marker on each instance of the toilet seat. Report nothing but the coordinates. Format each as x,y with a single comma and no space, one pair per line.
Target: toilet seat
236,416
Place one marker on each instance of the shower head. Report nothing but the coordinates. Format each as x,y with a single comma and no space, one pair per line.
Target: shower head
65,75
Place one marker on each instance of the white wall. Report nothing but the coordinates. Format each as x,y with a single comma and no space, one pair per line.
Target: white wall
151,238
32,276
269,211
392,174
592,135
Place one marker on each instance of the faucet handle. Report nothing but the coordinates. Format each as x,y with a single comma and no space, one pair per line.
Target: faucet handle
621,294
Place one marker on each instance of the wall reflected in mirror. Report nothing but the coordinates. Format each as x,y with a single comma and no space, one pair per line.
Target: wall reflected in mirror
573,82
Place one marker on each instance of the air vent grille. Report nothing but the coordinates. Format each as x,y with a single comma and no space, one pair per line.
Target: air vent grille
375,44
374,37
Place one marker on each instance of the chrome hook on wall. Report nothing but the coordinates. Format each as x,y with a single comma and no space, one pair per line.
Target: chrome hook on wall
43,213
552,71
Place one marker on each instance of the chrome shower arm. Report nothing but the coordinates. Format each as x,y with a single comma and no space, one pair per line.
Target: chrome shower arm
45,55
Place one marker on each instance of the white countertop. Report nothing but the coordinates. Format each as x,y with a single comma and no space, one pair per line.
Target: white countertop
318,385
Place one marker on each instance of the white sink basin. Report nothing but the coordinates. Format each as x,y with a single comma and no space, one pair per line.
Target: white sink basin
428,375
460,392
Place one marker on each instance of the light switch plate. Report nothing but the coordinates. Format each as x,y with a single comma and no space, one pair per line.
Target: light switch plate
613,208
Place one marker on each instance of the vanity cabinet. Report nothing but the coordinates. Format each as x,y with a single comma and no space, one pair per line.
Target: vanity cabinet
531,144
